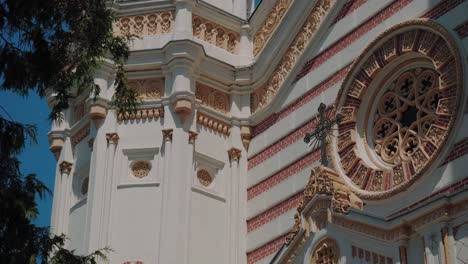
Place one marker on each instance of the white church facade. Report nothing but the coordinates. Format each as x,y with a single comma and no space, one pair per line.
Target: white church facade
213,167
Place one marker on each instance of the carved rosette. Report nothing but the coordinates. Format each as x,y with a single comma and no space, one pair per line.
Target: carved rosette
212,98
269,25
204,177
234,154
215,34
112,138
264,95
192,137
141,169
65,167
409,80
167,134
144,25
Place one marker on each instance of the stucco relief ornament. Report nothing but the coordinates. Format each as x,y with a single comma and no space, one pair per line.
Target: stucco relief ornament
234,154
112,138
399,104
167,134
141,169
65,167
326,252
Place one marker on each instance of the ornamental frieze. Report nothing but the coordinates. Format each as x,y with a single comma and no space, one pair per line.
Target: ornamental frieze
213,124
269,25
144,25
148,114
215,34
264,95
148,89
399,104
212,98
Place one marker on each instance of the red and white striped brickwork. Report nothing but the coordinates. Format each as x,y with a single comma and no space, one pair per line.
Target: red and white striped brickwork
268,248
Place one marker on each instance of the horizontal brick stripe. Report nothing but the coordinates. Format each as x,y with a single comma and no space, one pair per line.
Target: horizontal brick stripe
348,8
285,141
442,8
291,169
274,211
352,36
462,29
458,150
266,249
301,101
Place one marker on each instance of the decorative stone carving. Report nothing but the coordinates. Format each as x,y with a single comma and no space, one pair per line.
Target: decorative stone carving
149,114
183,108
212,98
65,167
112,138
326,252
295,229
56,145
215,34
204,177
141,169
412,103
213,123
80,135
269,25
319,183
192,137
78,111
97,113
143,25
167,134
148,89
264,95
246,133
234,154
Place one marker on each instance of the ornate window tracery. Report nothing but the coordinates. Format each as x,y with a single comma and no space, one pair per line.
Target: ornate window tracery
399,104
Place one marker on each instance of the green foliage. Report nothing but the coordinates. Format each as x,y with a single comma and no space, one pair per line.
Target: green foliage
56,46
49,46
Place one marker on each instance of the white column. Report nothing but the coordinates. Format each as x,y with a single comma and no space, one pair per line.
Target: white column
245,45
183,20
61,198
234,207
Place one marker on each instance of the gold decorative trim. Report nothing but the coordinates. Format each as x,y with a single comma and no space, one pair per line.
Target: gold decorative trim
234,154
215,34
143,114
421,38
212,98
65,167
144,25
213,123
269,25
167,134
264,95
112,138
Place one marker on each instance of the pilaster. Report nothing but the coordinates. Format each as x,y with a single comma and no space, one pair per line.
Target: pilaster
183,19
61,198
246,45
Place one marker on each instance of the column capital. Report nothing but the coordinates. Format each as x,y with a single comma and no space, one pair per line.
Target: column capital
112,138
65,167
192,137
167,134
234,154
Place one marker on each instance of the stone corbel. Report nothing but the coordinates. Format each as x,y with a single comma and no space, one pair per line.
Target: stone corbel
192,137
167,134
246,133
56,142
97,111
183,108
234,154
112,138
65,167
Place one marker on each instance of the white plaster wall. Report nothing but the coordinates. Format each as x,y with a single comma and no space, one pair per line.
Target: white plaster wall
208,230
76,227
270,230
461,244
136,224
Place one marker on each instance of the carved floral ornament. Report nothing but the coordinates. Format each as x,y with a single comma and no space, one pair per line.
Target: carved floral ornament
141,169
147,24
269,25
264,95
204,177
399,104
326,252
212,98
215,34
148,89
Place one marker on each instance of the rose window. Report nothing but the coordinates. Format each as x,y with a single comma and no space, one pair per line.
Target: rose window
404,115
399,104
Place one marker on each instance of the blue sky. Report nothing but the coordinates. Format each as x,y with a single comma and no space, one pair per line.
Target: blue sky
36,158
